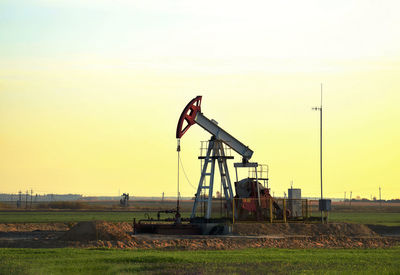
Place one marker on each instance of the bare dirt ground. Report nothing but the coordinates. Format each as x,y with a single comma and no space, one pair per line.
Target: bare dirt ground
301,229
27,227
119,235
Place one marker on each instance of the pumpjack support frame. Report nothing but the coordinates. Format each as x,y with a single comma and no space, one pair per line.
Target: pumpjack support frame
215,153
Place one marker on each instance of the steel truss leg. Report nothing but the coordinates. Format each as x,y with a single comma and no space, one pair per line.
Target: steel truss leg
215,152
225,178
201,186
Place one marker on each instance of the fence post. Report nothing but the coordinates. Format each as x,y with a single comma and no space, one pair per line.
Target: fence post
284,210
233,210
307,216
270,210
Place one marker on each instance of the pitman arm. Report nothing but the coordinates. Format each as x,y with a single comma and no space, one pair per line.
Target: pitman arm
192,114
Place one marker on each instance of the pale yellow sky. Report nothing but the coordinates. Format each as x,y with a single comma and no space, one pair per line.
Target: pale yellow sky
90,93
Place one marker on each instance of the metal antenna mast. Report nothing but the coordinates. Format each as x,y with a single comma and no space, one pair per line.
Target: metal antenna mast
320,149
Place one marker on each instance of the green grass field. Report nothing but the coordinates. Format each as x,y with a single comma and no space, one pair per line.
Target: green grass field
248,261
392,219
389,219
37,217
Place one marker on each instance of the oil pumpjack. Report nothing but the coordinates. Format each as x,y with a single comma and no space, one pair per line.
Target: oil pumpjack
251,195
215,153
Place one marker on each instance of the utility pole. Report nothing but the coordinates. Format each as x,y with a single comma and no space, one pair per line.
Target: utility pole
344,200
19,202
351,192
26,199
380,198
31,198
320,144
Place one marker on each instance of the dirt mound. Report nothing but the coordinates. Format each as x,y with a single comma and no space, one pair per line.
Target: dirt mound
27,227
98,230
385,230
290,229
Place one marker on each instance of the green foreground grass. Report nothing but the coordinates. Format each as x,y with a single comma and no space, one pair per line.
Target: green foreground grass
249,261
391,219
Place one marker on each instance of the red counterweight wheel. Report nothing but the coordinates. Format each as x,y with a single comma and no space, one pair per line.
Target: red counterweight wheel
188,115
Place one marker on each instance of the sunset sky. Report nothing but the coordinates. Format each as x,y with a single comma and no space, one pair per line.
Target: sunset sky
91,92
